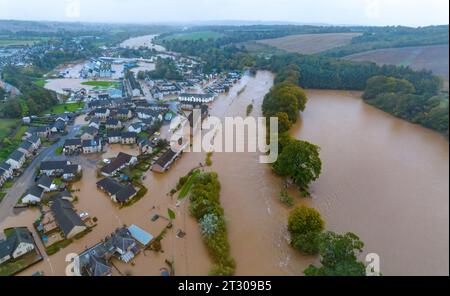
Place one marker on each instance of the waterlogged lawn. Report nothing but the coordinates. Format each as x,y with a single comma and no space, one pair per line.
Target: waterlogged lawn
103,84
61,108
187,186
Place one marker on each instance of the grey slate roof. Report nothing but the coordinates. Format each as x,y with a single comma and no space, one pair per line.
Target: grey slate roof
45,181
65,215
53,165
35,191
18,236
16,155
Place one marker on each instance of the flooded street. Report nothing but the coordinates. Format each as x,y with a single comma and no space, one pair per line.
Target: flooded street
382,178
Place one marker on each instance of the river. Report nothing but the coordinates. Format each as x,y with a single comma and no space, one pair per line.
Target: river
383,178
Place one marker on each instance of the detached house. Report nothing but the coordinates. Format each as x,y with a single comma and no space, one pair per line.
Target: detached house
122,161
128,138
89,134
16,159
112,123
42,132
95,122
102,113
67,218
26,148
52,167
92,146
124,114
45,183
35,141
72,146
114,136
33,195
144,145
119,193
135,128
59,126
6,172
17,244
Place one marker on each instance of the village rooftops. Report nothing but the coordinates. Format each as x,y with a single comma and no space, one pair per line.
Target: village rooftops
26,145
5,166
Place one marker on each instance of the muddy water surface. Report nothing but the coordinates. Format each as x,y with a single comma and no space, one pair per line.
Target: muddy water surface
384,179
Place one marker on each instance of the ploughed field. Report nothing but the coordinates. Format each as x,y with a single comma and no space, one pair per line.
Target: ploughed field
310,43
434,58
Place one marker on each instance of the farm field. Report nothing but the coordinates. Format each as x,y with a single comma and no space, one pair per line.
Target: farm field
104,84
6,126
61,108
434,58
205,35
16,42
310,43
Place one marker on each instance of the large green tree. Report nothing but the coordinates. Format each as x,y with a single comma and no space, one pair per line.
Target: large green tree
338,256
305,225
300,161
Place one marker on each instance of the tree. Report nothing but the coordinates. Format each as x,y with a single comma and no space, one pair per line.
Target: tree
304,219
300,161
305,225
338,256
284,124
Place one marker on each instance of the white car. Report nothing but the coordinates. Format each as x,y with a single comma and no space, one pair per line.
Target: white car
84,215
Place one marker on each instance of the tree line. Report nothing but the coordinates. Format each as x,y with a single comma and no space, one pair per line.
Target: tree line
33,99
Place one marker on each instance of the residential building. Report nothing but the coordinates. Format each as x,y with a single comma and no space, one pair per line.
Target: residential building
67,218
89,133
16,159
119,193
33,195
122,161
20,242
112,123
128,138
92,146
114,136
72,146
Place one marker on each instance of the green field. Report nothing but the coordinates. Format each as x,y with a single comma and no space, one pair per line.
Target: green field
103,84
6,127
16,42
205,35
40,82
61,108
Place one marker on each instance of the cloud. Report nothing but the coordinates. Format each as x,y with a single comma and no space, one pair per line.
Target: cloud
364,12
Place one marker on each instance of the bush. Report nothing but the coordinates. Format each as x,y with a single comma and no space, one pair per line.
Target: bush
205,207
286,199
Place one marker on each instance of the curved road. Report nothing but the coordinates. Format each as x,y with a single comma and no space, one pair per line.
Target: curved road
22,183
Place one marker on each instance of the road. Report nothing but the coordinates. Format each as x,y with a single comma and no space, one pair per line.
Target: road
22,183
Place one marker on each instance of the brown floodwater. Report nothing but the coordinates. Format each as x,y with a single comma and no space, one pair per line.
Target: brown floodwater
383,178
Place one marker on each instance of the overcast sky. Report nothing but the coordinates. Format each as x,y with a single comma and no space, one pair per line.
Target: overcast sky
363,12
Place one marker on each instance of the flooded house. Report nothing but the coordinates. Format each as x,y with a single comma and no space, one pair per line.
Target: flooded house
66,217
122,161
118,192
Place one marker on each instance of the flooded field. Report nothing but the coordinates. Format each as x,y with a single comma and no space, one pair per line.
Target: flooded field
383,178
142,41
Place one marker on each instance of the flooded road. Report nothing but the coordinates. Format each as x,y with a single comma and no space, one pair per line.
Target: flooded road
383,178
